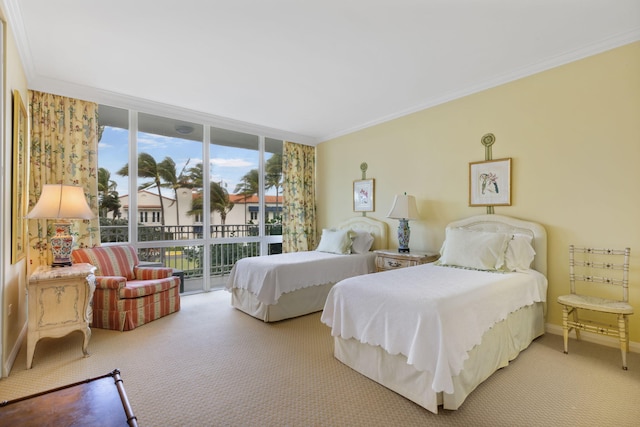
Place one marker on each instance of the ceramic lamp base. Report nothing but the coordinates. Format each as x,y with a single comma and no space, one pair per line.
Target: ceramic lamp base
403,236
61,245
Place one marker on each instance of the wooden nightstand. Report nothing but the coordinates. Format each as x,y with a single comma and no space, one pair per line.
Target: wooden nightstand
60,303
390,259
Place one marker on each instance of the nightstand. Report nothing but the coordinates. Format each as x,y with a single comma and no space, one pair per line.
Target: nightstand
390,259
60,303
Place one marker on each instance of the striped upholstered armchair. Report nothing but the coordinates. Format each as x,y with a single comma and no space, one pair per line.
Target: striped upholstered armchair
126,295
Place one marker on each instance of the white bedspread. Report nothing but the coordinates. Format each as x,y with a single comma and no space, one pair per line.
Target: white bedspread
432,315
270,276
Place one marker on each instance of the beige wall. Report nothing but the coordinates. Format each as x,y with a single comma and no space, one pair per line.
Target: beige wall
573,133
12,284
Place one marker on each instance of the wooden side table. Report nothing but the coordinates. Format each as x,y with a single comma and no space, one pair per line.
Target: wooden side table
60,303
390,259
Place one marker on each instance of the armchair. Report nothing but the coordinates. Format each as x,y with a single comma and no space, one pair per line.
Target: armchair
126,295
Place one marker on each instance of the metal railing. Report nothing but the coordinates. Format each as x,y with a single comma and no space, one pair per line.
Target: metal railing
189,258
150,233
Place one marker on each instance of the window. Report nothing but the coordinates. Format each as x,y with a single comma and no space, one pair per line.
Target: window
113,197
161,170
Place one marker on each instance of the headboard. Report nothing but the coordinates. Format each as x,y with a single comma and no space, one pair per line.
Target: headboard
507,224
377,228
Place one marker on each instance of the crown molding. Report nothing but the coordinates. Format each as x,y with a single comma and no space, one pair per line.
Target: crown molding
601,46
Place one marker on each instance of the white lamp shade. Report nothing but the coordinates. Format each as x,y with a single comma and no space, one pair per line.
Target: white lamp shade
59,201
404,207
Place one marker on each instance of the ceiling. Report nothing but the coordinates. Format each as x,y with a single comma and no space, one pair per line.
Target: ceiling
306,70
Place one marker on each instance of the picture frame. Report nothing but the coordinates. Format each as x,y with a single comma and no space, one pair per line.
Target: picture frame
19,178
363,195
490,183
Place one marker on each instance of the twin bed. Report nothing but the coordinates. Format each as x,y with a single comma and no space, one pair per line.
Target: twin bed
431,333
277,287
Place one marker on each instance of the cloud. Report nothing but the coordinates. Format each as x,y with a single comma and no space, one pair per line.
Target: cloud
231,163
154,141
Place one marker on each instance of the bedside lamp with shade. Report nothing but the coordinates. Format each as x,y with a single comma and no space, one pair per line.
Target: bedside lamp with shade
404,208
62,202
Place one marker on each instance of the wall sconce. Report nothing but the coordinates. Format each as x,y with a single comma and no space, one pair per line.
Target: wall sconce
404,208
62,202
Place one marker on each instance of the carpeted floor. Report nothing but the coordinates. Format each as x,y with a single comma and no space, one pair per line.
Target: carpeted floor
211,365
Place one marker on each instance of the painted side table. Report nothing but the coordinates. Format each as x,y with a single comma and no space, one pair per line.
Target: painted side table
60,303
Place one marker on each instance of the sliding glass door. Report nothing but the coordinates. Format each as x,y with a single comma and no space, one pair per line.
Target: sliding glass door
184,204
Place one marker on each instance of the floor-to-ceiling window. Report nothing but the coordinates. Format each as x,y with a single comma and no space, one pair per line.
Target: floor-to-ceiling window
184,203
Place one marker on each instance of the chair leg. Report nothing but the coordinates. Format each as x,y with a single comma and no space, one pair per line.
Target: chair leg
575,322
624,339
565,328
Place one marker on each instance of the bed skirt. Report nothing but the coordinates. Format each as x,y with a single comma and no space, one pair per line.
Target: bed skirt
499,345
293,304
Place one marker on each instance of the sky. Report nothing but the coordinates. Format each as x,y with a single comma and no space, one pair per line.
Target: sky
227,164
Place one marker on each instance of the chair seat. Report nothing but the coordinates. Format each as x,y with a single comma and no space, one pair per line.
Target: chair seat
595,303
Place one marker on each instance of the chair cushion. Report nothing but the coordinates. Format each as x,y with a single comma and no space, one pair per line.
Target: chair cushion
109,260
141,288
148,273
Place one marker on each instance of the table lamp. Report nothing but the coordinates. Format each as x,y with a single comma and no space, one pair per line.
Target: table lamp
62,202
404,208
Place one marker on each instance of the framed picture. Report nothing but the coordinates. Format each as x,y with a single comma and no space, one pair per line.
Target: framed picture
19,190
363,200
490,183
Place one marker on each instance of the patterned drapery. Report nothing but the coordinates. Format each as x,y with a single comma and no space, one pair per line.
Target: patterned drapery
299,230
64,148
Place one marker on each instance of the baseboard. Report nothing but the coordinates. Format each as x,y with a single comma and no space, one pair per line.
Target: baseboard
634,347
13,354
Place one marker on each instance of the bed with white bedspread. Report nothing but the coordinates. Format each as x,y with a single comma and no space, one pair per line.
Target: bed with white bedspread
278,287
433,333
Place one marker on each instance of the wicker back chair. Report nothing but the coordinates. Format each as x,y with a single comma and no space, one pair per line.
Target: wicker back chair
589,270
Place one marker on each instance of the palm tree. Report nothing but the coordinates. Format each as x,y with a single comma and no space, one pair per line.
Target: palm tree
218,201
248,186
174,181
196,176
273,179
148,168
219,198
218,195
108,199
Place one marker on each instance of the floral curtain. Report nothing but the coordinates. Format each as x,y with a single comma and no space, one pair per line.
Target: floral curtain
299,230
64,143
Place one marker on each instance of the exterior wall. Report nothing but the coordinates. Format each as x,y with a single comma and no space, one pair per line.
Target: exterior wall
149,201
574,136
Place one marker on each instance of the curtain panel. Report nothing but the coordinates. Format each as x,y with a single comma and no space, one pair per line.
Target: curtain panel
299,229
63,150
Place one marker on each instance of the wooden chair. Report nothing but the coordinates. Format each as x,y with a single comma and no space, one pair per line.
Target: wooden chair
590,269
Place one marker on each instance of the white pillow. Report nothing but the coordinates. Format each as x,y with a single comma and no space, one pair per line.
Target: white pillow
481,250
520,253
335,241
361,242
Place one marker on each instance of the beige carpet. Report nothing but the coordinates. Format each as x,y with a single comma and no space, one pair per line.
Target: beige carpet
210,365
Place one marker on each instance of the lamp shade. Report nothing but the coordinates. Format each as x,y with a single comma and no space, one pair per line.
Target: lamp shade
59,201
404,207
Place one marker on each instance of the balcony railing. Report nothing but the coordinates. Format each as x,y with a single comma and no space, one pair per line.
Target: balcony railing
189,258
149,233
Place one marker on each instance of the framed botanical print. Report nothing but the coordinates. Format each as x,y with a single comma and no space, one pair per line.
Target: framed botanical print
490,183
363,195
19,190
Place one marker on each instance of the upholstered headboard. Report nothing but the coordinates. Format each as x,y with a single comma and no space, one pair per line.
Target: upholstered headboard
377,228
507,224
